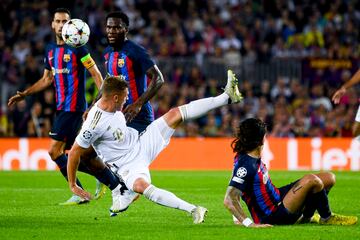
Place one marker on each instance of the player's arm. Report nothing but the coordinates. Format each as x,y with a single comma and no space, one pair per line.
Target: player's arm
342,90
72,167
90,65
155,84
40,85
232,203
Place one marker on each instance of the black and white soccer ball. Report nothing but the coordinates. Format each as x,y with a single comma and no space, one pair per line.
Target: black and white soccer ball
75,32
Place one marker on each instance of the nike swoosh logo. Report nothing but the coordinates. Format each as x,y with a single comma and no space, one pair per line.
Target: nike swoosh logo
52,134
50,58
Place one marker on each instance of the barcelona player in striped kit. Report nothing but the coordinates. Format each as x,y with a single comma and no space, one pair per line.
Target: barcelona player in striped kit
268,204
125,57
66,68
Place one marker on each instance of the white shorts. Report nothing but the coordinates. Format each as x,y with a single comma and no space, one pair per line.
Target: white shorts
151,142
357,118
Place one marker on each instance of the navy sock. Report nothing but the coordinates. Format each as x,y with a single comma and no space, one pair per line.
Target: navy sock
107,177
61,161
311,205
322,201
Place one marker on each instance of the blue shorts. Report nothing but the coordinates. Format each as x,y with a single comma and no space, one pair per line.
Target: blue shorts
282,216
66,127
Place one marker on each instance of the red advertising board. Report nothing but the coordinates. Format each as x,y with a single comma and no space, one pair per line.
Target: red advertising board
207,154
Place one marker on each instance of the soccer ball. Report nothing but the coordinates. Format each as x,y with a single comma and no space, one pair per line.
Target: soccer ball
75,32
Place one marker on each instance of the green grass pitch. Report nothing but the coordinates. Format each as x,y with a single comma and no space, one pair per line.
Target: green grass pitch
29,210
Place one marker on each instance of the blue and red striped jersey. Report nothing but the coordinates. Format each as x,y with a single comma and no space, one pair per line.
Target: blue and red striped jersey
132,61
251,177
69,76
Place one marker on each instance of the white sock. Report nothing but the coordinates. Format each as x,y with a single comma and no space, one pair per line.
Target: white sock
166,198
200,107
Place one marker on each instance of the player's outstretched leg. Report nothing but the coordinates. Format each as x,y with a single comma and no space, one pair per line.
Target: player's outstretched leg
200,107
231,87
168,199
199,214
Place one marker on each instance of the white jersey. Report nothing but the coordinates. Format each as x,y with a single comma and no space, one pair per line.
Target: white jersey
108,134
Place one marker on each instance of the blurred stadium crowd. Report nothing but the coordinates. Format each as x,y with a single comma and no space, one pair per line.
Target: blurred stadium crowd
234,32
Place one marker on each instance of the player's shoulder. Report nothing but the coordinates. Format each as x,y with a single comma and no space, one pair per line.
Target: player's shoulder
246,164
131,45
49,46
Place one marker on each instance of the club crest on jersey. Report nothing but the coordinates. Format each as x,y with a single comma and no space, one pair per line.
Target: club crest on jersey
241,172
66,57
121,62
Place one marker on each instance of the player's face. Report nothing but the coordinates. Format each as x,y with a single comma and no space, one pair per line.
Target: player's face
58,22
120,99
116,31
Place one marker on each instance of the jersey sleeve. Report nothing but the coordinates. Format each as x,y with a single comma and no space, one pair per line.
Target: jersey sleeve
242,176
144,59
85,57
88,133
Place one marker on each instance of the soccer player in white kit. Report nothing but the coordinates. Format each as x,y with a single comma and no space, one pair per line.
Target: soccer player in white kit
341,91
130,154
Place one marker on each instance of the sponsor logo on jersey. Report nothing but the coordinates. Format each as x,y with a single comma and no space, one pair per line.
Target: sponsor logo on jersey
59,71
121,62
238,180
66,57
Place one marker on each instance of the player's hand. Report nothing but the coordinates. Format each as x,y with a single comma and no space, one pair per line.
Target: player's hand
131,111
80,192
19,96
254,225
338,94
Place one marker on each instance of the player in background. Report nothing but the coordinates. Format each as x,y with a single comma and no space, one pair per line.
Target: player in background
341,92
66,67
125,57
129,153
268,204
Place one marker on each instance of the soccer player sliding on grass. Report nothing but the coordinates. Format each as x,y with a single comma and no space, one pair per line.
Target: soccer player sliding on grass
130,153
267,204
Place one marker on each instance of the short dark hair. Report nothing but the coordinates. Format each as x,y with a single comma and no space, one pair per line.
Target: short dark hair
114,84
249,136
62,10
119,14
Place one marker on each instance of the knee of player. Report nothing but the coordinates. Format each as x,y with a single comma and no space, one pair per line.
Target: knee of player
140,185
173,117
54,153
314,182
331,179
